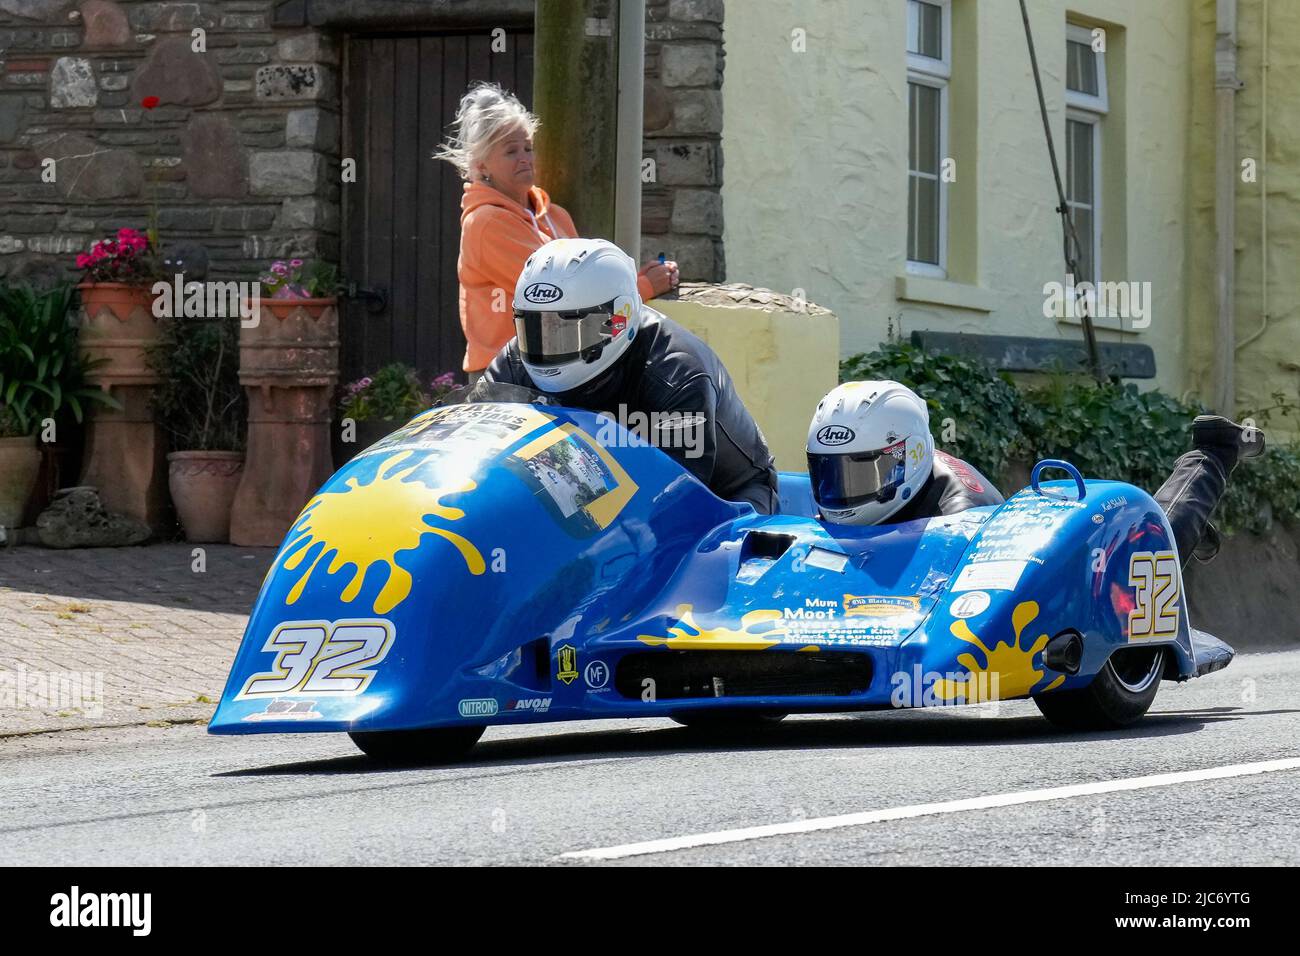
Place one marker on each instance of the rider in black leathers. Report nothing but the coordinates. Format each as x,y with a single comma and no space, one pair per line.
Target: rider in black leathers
668,369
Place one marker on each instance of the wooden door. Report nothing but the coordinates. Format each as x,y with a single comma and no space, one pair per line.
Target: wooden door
401,218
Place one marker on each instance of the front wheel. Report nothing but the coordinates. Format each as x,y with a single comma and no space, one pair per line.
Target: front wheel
1118,696
429,745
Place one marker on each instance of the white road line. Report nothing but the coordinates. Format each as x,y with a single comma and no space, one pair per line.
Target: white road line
929,809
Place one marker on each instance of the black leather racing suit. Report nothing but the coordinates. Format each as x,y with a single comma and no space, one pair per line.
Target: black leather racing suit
667,369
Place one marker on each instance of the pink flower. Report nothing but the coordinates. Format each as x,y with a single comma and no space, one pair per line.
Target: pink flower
296,263
83,260
279,269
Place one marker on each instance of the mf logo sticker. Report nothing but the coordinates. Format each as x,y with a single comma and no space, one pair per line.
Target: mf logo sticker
566,663
1157,585
321,657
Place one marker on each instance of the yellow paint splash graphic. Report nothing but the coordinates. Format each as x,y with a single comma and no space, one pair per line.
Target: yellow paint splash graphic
1012,664
718,638
369,524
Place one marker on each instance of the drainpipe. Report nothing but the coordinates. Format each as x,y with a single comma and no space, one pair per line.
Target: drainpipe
1226,85
631,83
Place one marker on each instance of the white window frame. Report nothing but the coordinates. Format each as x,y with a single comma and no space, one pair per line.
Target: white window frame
928,71
1086,108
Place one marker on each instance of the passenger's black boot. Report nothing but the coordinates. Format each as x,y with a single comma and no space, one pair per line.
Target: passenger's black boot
1199,479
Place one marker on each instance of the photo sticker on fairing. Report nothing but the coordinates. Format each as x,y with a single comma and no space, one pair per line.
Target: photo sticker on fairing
321,657
581,486
1157,590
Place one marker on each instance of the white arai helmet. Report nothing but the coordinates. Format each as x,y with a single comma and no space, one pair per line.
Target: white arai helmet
577,310
869,451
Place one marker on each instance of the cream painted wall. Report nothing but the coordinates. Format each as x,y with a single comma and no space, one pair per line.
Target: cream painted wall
1270,362
815,189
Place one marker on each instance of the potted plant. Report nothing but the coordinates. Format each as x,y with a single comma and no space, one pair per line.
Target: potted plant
117,279
200,406
42,383
289,363
379,404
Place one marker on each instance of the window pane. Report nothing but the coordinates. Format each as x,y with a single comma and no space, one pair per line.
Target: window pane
923,128
923,219
1079,171
1083,227
925,29
1080,68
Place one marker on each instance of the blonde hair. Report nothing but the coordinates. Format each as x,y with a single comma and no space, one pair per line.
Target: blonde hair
485,116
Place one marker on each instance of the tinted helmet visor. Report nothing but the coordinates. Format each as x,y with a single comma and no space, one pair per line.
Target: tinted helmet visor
850,479
560,338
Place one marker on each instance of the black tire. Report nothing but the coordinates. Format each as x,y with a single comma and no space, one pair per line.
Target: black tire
415,747
1118,696
726,720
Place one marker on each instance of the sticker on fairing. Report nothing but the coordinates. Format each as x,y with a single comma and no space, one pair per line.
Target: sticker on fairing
321,657
990,576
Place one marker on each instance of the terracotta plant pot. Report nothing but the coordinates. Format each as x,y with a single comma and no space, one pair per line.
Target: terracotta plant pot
119,326
203,486
20,464
289,362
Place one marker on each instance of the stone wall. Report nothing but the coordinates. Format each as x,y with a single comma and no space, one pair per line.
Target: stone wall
230,144
681,210
238,153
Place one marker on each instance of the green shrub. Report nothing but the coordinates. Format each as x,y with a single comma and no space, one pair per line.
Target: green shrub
199,401
974,410
1107,431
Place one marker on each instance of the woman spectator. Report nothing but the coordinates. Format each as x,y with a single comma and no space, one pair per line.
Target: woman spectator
504,218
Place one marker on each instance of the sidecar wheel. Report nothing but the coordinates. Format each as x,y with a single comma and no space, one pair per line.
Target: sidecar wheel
1118,696
723,720
414,747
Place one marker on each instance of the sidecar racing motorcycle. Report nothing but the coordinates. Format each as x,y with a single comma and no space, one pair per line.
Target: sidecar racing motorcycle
513,562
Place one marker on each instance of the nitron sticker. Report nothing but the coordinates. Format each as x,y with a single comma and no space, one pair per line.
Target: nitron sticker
477,707
321,657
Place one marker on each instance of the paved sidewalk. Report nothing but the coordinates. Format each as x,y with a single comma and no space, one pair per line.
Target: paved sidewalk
103,636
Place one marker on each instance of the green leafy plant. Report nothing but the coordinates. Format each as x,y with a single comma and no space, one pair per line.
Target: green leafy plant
981,403
42,372
199,401
394,392
1110,431
299,279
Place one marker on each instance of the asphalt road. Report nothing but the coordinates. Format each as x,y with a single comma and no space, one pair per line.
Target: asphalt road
532,794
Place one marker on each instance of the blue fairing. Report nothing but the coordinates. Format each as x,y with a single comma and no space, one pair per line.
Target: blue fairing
498,563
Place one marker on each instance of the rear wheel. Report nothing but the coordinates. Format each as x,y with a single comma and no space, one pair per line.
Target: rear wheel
429,745
724,720
1118,696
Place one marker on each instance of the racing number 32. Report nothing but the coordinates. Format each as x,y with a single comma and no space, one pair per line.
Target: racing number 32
1154,576
319,657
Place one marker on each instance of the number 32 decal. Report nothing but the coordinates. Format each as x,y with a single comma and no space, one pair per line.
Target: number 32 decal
1157,588
320,657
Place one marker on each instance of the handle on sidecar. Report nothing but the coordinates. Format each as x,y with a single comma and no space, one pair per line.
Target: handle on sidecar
1066,467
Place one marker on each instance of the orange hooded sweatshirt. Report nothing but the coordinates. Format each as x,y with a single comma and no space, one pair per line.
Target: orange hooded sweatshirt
497,235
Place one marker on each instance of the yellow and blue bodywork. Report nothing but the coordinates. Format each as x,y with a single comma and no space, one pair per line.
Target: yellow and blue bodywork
502,563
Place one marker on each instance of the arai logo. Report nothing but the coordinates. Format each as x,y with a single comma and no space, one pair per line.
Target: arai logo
835,435
543,293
